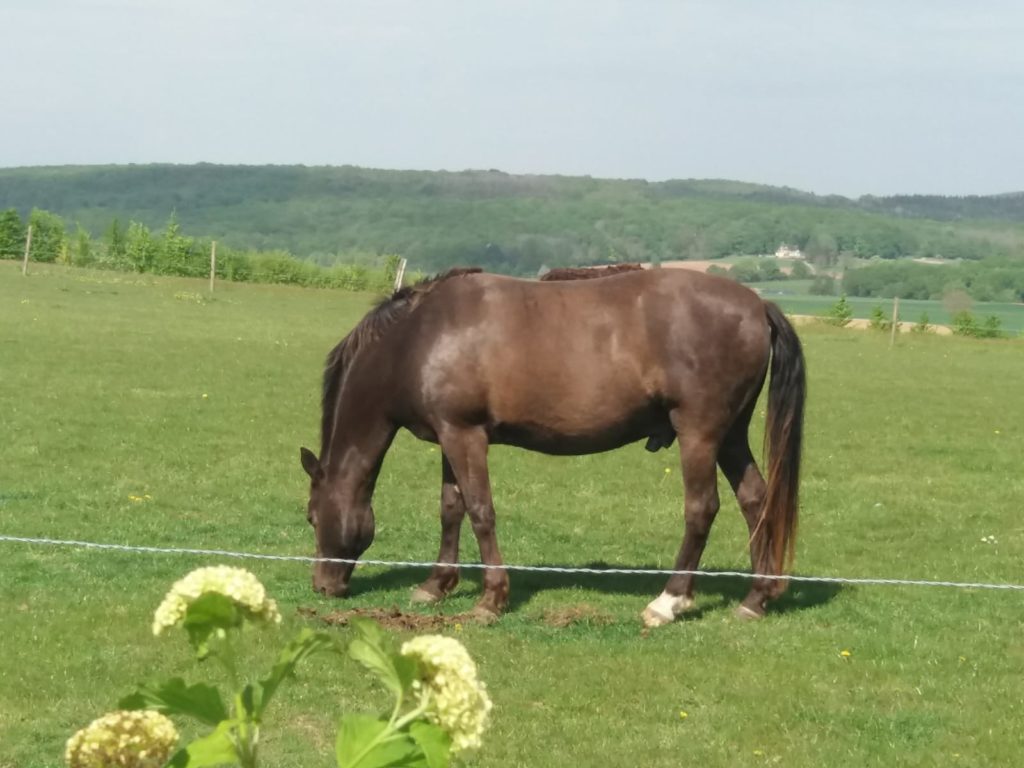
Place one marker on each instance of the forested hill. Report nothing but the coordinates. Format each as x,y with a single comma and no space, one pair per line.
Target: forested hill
507,222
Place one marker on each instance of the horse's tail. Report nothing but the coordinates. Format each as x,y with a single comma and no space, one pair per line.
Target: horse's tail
783,438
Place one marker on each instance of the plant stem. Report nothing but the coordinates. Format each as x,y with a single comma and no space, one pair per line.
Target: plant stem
391,732
246,732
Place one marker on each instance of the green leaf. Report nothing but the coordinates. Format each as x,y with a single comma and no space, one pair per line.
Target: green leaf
434,742
174,697
367,629
356,734
305,644
214,749
378,661
207,614
407,669
373,650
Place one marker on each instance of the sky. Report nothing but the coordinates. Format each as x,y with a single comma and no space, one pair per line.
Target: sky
853,97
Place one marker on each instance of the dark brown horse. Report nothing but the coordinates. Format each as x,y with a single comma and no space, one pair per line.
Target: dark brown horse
469,359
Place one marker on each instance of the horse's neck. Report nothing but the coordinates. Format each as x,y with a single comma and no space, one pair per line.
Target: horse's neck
356,450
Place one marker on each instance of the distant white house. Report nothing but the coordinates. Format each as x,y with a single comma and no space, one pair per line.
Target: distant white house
785,252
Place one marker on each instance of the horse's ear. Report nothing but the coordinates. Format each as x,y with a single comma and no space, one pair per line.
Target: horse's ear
311,464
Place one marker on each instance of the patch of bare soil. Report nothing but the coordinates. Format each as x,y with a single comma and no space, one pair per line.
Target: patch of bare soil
390,618
575,614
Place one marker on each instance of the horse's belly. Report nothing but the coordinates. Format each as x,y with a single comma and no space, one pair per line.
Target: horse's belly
569,437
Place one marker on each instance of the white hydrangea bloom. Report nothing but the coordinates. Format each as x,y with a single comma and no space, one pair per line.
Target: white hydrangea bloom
459,701
123,740
237,584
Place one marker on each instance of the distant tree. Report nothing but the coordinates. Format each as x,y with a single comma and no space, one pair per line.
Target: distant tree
81,253
822,248
800,271
140,248
878,321
115,242
840,313
174,252
823,285
991,328
957,301
965,324
12,234
48,235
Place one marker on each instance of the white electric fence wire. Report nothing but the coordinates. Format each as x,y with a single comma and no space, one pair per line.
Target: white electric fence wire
521,568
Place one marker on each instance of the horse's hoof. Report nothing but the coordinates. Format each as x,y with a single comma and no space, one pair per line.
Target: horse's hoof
665,607
421,595
748,614
484,615
654,619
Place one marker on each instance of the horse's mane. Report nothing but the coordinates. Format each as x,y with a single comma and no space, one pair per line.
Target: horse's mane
386,313
589,273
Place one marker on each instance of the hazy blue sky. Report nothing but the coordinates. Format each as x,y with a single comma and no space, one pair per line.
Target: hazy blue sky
852,97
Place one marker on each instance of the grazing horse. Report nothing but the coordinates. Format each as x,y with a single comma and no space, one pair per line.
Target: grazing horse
467,359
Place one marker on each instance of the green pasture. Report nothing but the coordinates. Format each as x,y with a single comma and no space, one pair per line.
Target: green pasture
139,410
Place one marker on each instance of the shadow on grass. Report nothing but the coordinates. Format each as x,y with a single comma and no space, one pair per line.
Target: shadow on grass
525,585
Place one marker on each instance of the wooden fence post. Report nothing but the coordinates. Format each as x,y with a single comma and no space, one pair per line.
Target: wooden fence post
400,274
895,319
28,248
213,263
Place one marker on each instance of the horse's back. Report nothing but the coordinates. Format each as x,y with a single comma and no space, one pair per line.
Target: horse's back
592,363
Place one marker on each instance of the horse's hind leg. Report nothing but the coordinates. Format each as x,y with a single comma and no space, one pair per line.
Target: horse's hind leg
700,478
444,578
741,470
466,449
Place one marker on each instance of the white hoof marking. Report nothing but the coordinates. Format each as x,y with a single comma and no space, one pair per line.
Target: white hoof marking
665,607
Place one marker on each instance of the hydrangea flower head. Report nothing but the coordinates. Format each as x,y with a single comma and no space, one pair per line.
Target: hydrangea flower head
123,739
458,700
236,584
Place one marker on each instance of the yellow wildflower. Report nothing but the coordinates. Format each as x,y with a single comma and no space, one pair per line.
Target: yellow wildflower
237,584
123,740
845,654
683,715
458,700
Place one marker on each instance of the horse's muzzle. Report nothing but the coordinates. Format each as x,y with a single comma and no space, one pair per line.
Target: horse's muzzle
332,580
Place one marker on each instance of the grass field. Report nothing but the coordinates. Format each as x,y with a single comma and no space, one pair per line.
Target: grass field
115,386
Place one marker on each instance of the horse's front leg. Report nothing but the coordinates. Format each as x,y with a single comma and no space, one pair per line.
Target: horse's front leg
466,449
444,578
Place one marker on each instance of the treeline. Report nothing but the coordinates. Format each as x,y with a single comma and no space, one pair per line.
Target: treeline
504,223
136,248
987,280
762,271
1009,206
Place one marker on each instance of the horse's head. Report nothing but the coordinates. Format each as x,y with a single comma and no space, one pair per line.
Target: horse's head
342,524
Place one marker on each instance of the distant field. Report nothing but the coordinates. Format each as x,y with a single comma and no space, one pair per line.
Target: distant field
138,410
793,297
